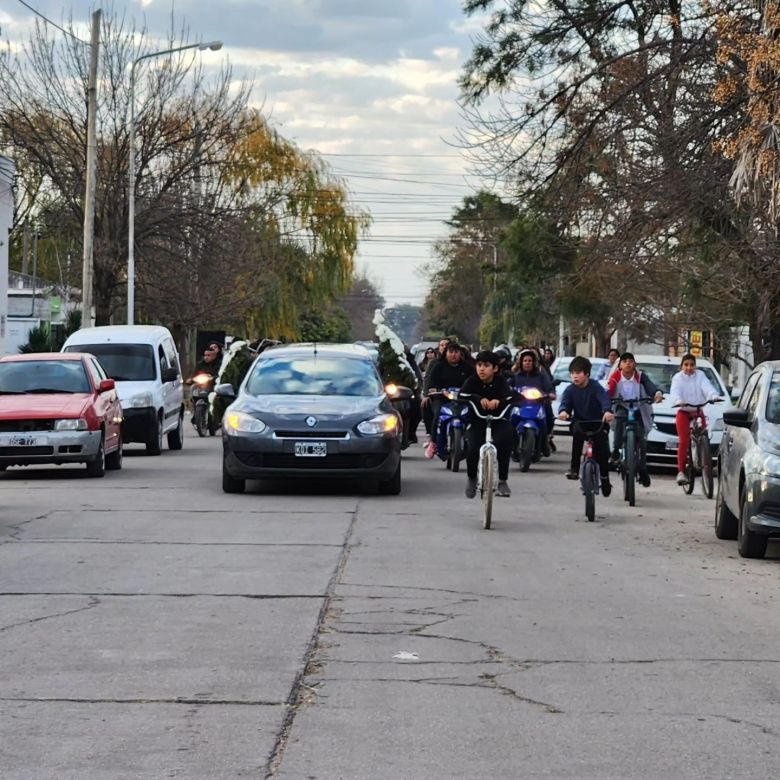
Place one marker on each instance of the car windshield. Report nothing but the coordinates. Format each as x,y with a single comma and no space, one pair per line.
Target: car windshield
122,362
43,376
598,372
661,375
314,375
773,402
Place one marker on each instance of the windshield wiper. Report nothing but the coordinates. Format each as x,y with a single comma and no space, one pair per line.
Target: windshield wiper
11,392
43,390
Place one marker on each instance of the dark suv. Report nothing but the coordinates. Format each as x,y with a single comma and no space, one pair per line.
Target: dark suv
748,504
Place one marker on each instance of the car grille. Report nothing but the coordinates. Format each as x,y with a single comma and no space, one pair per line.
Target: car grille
285,461
22,451
311,434
25,426
667,427
771,510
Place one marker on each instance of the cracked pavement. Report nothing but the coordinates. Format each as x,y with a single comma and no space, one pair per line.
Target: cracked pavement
316,632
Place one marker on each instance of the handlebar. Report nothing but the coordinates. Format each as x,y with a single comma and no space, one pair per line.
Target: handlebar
698,406
632,401
488,417
577,425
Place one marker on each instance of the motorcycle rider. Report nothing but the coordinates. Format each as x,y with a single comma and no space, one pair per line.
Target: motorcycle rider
210,364
450,371
504,355
425,403
527,372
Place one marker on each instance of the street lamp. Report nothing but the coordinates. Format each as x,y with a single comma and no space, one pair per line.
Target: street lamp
214,46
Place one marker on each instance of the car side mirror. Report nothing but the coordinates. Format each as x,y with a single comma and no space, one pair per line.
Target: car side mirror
169,375
106,385
738,418
398,392
225,390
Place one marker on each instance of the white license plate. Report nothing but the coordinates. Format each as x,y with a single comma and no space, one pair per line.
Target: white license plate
26,441
311,449
671,446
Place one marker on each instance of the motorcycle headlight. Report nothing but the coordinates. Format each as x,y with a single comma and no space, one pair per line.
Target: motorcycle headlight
239,422
381,424
74,424
138,401
532,394
450,394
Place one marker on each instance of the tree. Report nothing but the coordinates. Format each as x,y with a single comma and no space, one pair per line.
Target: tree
405,320
394,367
360,302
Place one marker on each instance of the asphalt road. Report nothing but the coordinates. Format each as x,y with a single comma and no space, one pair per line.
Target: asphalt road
153,627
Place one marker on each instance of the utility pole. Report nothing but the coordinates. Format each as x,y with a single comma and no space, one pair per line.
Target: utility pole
89,195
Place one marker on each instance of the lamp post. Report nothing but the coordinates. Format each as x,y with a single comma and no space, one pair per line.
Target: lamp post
214,46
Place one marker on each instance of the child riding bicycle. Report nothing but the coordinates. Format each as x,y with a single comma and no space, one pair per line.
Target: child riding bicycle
491,392
689,386
587,402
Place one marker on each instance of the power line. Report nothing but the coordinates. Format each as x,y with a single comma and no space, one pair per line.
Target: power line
344,154
53,24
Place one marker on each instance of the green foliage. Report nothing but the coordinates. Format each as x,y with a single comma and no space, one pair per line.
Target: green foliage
236,364
393,369
40,340
330,326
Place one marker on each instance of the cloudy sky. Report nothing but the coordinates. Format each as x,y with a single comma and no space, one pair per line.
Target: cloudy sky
369,84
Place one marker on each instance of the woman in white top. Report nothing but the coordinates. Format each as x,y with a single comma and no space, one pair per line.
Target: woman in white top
689,387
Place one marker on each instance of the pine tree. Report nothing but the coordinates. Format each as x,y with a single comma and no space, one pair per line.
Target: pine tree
394,366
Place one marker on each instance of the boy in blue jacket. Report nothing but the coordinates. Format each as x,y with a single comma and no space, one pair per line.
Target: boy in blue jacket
587,402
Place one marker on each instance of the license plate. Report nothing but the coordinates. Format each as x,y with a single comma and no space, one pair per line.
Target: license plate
25,441
672,446
311,449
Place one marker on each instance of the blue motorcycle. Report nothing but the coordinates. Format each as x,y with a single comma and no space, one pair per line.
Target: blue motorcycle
450,438
529,421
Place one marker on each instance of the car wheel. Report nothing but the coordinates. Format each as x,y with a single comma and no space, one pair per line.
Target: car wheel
176,436
749,543
726,522
230,484
392,486
114,459
154,446
97,466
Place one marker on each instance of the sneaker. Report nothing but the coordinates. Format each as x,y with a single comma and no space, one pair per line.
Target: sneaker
502,489
430,449
606,488
471,487
681,478
572,475
644,478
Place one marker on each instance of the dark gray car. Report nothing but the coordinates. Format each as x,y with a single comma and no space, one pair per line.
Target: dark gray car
311,410
748,503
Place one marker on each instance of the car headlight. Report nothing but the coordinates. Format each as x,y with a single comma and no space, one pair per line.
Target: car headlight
73,424
138,401
239,422
382,423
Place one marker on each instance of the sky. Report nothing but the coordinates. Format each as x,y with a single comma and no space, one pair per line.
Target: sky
368,84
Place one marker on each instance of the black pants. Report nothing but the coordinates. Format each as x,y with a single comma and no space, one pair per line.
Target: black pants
427,416
641,436
503,436
415,414
600,448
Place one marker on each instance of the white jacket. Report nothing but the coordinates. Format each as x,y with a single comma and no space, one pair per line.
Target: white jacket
693,389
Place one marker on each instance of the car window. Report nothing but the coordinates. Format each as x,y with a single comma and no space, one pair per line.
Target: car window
748,391
123,362
170,354
92,368
99,369
773,400
753,402
661,375
314,376
562,371
41,376
600,372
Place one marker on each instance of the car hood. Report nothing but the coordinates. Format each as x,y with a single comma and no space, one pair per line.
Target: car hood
127,389
41,406
292,408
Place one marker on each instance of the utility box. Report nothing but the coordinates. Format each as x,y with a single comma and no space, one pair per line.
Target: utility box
7,173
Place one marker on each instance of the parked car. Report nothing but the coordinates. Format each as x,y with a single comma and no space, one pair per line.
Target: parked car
57,408
560,372
144,363
311,410
748,502
662,439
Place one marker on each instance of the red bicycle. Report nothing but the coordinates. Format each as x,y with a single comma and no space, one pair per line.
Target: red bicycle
698,460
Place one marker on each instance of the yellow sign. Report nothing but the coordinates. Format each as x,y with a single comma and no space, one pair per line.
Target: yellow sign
696,339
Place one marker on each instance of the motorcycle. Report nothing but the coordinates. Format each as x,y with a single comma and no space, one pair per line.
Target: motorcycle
528,420
401,398
202,419
450,432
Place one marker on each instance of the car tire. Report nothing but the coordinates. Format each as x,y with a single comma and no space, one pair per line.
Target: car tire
392,486
726,522
176,436
114,459
749,543
231,484
154,445
97,466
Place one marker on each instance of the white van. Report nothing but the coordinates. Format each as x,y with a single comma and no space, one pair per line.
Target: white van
144,363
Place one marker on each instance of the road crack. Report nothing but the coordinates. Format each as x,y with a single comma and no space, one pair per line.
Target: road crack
93,602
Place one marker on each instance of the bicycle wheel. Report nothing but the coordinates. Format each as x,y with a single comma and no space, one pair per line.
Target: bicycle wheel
705,454
527,449
629,474
456,445
690,472
488,466
588,482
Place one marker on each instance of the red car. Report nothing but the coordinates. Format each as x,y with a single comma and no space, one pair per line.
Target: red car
59,408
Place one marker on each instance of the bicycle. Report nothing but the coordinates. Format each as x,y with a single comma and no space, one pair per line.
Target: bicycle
487,471
590,473
698,459
630,446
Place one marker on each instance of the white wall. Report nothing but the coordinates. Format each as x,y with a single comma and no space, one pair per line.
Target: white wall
7,171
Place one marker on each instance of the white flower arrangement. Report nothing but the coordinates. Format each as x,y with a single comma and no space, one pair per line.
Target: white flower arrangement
384,333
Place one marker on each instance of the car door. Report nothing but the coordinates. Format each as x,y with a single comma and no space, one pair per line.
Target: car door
172,391
112,408
738,440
